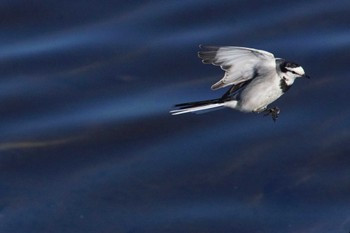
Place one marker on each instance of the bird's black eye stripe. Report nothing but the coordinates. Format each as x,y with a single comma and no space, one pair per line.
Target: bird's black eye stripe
285,67
292,71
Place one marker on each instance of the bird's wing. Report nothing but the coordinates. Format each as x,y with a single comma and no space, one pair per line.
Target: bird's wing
240,64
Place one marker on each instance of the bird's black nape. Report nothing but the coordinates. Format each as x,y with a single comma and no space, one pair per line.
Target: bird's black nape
285,64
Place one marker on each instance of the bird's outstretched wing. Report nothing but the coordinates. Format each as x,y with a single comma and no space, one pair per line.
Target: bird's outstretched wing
239,63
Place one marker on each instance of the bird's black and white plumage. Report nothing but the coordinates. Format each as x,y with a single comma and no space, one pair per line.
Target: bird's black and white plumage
256,79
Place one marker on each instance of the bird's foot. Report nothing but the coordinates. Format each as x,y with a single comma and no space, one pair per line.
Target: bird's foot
273,111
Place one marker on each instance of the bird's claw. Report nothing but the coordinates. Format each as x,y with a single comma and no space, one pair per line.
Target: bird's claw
273,111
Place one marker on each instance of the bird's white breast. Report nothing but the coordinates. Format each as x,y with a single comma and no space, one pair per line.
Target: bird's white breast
260,93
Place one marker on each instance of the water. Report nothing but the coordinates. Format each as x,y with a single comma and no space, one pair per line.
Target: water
87,144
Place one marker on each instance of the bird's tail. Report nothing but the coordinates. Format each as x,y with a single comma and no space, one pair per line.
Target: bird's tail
197,106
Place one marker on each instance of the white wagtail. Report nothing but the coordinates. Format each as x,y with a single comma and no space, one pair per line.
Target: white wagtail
256,78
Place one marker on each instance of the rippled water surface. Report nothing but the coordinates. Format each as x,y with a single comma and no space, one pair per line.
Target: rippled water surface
87,143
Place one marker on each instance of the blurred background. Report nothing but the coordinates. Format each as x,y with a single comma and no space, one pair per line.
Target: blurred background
87,143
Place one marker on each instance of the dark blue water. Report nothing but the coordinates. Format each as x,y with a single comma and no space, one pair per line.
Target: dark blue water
87,143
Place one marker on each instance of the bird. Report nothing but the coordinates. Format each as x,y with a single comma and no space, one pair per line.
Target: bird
255,79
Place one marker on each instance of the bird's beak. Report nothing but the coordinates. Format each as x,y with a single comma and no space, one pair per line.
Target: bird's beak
305,76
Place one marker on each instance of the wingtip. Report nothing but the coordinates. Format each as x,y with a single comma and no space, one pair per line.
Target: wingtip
218,85
203,46
207,47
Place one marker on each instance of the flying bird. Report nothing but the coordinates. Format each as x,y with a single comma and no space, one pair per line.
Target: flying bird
255,79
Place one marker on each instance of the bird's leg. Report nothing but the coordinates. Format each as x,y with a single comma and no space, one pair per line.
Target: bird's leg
273,111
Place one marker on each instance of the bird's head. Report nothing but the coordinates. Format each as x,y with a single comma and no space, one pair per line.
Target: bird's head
293,70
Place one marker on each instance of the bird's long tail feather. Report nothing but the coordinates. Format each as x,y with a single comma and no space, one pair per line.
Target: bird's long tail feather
197,106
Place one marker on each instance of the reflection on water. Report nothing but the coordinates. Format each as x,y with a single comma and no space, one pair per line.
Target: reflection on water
87,144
